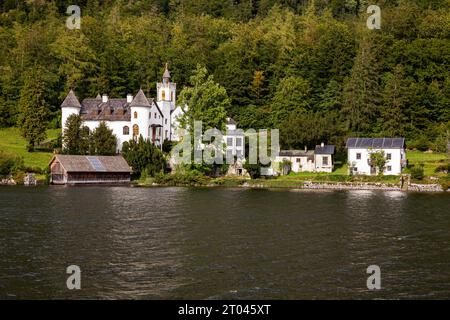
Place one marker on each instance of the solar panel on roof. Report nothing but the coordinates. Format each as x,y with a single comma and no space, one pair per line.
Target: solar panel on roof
96,164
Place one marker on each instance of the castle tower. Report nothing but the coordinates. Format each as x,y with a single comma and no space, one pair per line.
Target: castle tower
166,100
140,109
70,106
166,90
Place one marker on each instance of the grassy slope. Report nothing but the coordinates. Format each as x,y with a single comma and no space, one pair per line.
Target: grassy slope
430,160
11,141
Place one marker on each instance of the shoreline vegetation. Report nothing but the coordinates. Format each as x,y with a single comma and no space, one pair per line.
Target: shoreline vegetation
433,179
361,183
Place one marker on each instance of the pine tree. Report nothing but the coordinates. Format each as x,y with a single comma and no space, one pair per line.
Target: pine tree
76,139
396,106
33,108
103,141
362,90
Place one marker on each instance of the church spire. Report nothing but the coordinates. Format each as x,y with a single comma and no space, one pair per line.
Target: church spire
166,75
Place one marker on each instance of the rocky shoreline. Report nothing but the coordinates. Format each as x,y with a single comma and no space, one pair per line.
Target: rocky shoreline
30,180
356,186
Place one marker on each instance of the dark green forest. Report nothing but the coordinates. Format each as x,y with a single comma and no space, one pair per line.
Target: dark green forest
310,68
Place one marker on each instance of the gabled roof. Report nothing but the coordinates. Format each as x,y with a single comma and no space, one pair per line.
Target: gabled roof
140,100
71,101
326,149
92,163
95,109
376,143
296,153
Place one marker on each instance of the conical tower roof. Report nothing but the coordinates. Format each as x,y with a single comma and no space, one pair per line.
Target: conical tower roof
140,100
166,74
71,101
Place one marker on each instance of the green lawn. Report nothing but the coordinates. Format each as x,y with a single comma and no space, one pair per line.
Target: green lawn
12,142
430,160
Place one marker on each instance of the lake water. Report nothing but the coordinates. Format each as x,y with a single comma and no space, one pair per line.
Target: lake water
186,243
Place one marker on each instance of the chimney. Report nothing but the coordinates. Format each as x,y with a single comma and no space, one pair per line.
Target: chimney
104,98
322,144
129,98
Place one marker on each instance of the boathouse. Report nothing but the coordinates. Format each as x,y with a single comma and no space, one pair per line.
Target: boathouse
76,170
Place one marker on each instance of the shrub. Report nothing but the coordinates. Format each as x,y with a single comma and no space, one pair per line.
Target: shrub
417,172
10,164
443,168
422,144
182,178
445,183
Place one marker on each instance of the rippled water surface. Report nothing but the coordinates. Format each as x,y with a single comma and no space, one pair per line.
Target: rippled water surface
169,243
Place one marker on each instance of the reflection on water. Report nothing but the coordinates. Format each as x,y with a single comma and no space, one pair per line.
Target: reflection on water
222,243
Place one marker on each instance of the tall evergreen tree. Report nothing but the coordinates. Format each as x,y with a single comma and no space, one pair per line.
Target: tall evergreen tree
396,104
76,138
362,95
33,107
103,141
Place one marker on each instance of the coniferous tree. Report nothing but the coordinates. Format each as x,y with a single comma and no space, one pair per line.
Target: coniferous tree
33,108
362,90
143,156
396,104
76,138
103,141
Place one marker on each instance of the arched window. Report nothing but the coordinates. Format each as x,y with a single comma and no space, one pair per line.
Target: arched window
163,95
171,96
135,130
135,115
126,130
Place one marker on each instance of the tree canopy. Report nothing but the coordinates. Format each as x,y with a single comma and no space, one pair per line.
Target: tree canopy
267,63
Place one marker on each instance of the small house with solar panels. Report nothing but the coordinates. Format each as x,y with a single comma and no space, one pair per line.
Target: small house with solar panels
78,170
359,150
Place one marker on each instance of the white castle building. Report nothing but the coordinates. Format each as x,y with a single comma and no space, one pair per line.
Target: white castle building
130,117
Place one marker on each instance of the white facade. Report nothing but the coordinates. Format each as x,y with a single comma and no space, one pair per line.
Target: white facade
176,130
298,163
360,149
318,160
234,140
359,161
128,118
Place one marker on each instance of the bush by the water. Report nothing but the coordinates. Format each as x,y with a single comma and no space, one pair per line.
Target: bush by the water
182,177
443,168
417,172
10,164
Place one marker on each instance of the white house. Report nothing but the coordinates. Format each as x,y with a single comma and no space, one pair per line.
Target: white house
234,140
359,150
318,160
129,117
